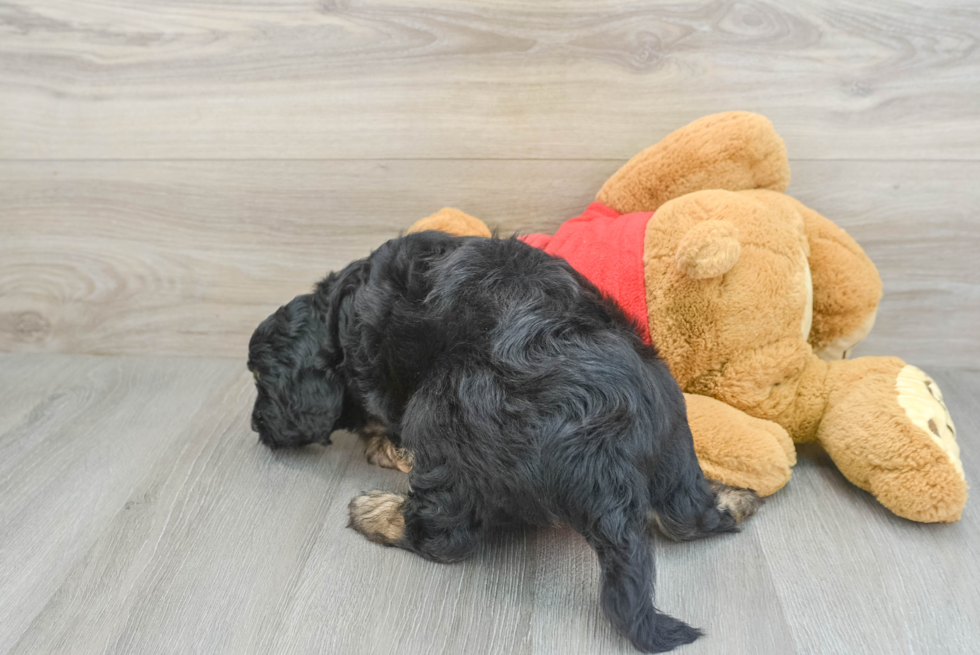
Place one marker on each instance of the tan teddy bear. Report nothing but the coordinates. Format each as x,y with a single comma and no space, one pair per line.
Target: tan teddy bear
754,301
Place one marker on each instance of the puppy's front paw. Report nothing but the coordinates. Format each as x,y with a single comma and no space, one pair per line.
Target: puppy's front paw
741,503
383,453
378,516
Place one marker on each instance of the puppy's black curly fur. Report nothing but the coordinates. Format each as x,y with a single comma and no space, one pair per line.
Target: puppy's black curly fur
519,390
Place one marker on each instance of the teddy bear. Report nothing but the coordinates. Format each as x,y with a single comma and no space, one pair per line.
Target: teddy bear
755,301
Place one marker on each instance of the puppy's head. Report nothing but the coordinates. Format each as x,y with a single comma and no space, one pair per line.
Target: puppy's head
300,392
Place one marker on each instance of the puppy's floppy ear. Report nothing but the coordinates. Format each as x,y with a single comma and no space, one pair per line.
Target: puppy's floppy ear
321,389
333,299
316,395
316,401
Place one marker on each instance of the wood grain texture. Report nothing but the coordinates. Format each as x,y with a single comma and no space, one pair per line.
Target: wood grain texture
853,578
92,429
187,257
187,536
229,79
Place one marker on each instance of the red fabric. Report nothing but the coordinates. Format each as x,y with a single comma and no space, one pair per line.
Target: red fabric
607,248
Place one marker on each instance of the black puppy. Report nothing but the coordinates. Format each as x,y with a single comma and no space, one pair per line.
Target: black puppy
518,391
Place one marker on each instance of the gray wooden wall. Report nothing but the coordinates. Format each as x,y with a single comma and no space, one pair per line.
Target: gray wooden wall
172,171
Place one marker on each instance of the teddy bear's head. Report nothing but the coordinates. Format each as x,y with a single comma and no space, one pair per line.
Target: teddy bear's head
729,293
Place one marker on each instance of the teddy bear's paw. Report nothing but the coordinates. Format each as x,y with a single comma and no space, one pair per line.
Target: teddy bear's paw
452,221
737,449
922,400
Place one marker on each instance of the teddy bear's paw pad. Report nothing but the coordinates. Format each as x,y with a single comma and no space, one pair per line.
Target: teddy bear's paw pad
741,503
922,400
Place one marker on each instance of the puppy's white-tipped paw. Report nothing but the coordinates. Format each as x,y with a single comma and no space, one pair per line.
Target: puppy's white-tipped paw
742,503
378,516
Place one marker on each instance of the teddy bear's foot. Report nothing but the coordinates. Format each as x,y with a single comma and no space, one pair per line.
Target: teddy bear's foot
922,400
945,490
890,433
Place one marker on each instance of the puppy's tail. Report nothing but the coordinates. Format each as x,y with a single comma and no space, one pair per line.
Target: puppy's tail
626,590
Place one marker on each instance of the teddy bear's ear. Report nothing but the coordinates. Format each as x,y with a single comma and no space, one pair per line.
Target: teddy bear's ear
709,249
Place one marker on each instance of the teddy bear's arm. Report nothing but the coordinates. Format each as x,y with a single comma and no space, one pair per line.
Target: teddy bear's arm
737,449
846,287
733,151
452,221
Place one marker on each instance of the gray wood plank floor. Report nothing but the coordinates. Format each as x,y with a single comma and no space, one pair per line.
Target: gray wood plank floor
138,514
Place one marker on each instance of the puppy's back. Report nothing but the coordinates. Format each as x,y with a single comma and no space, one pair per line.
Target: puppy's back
539,347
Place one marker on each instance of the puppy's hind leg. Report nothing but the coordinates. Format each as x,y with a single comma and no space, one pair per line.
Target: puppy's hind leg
686,506
741,503
687,515
436,524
